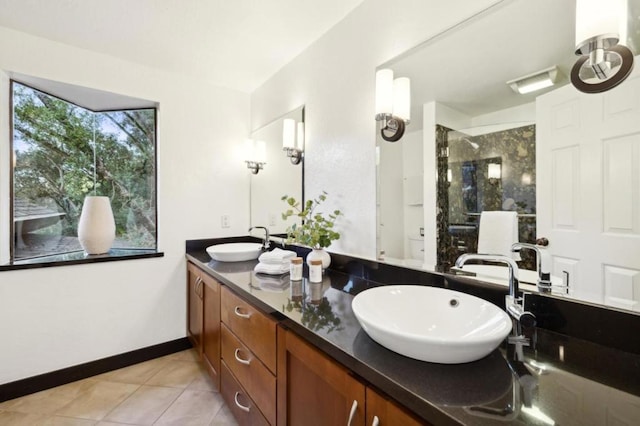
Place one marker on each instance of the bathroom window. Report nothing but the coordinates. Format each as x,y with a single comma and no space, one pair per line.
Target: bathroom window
63,152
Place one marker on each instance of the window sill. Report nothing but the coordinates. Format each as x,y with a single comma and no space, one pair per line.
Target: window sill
79,257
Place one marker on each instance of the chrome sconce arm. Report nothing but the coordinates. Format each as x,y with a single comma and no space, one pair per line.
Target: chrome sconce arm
255,166
392,128
294,154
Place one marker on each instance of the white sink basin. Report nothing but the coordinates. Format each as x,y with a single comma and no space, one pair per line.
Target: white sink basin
235,252
431,324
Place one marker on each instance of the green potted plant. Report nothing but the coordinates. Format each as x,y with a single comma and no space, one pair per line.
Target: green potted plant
315,229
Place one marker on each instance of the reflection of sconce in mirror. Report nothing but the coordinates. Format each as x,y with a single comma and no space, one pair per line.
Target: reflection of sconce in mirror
393,104
256,154
601,32
449,175
535,81
293,139
494,172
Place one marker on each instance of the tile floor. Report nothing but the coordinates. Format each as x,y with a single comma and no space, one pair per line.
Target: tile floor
172,390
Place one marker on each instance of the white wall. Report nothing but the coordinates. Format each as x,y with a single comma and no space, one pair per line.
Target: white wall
334,78
57,317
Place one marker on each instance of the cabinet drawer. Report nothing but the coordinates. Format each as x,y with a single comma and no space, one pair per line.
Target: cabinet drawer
242,407
252,374
255,329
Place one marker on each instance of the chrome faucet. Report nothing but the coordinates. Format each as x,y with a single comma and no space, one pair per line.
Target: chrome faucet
513,303
265,243
544,278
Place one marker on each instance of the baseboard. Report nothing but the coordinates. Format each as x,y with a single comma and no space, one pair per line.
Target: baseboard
77,372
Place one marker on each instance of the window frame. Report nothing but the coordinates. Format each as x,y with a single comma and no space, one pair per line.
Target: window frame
32,261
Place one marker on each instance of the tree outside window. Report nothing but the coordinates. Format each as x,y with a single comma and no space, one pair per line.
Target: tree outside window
64,152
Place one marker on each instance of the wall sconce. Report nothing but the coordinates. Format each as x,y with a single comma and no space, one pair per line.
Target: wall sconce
494,172
256,152
293,139
393,104
449,175
535,81
604,62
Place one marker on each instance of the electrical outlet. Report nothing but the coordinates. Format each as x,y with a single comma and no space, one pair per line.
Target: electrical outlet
224,221
272,219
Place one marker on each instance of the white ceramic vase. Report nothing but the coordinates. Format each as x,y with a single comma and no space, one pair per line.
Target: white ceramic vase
321,254
96,227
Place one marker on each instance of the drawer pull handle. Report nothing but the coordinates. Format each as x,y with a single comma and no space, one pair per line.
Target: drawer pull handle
352,413
240,360
240,314
240,406
376,421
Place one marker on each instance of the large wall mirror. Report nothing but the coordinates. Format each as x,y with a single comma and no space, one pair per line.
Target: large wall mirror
279,176
565,164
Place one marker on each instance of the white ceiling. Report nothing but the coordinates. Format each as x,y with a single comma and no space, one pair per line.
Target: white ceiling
237,44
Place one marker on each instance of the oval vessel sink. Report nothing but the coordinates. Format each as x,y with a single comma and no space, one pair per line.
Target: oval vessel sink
431,324
234,252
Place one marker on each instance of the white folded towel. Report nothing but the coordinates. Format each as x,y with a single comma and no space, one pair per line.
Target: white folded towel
272,268
498,231
277,256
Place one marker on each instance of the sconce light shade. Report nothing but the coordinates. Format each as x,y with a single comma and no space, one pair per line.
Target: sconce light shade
494,171
402,98
449,175
535,81
289,133
384,91
300,136
601,34
393,104
256,155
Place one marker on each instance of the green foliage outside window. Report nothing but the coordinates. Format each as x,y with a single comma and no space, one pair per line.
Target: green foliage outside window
64,152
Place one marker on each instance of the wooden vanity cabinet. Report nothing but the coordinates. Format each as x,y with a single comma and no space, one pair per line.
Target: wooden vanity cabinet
195,308
204,319
268,375
314,390
249,356
383,412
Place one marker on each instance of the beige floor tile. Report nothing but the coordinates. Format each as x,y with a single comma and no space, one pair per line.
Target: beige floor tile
145,405
98,400
176,374
188,355
192,408
134,374
67,421
50,400
13,418
224,417
203,382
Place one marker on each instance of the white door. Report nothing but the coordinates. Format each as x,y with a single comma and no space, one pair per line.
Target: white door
588,190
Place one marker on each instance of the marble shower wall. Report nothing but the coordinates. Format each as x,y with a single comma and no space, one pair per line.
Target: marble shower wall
465,189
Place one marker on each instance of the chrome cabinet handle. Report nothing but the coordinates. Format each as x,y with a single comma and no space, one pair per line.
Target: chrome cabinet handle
199,282
376,421
240,406
352,413
240,360
240,314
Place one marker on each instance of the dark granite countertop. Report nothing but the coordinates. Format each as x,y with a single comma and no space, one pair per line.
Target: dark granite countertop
563,380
